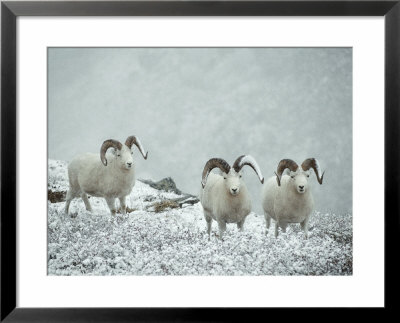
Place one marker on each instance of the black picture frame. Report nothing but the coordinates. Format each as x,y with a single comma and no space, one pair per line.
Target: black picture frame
10,10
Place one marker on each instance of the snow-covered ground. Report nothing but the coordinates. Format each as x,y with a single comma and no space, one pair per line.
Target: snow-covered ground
175,242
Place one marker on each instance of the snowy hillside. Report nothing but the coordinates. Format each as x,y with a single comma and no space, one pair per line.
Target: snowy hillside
158,237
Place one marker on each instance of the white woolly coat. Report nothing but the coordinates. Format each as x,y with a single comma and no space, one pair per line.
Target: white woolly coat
87,173
283,203
223,206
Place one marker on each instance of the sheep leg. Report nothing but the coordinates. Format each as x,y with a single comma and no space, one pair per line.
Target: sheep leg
283,225
276,228
222,228
267,221
304,227
86,201
240,225
209,222
69,198
208,217
67,203
111,204
209,228
122,202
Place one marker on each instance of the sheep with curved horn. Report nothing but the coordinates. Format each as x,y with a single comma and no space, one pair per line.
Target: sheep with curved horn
225,197
101,177
288,198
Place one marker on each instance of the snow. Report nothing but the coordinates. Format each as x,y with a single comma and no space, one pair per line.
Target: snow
188,105
175,242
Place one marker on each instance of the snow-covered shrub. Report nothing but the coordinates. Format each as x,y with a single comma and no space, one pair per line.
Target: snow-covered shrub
172,242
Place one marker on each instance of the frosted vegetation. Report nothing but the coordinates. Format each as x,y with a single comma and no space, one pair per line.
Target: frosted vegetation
157,237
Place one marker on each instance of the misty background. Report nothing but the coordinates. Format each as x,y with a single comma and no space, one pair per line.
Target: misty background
188,105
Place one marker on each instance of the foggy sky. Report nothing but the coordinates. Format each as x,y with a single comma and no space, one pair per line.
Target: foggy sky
188,105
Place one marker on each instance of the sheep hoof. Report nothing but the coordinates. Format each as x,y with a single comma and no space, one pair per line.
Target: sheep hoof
73,215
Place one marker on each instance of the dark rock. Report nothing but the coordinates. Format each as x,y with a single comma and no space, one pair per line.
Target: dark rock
186,199
56,196
166,184
149,198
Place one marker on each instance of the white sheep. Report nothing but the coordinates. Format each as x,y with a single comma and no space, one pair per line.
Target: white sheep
95,175
288,198
225,197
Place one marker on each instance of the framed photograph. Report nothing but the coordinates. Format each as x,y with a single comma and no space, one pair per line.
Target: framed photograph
179,155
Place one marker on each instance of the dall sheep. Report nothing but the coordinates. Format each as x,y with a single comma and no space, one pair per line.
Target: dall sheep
225,197
95,175
288,198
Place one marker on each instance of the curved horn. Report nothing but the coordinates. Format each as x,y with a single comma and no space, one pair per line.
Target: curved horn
211,164
250,161
283,164
134,140
107,144
313,163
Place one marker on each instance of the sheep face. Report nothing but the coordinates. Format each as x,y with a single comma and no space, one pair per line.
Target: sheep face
233,181
299,180
123,157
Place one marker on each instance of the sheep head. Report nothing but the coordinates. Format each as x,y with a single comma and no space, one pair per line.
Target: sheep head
122,153
232,175
299,175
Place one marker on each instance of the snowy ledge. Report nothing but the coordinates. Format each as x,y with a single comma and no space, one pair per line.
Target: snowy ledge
173,241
